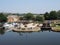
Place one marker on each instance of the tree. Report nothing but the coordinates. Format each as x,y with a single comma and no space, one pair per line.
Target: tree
3,18
53,15
39,18
58,14
29,16
46,16
21,18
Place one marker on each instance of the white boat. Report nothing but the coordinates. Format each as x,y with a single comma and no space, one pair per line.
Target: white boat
8,25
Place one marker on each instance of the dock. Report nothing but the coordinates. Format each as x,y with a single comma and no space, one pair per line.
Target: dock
46,26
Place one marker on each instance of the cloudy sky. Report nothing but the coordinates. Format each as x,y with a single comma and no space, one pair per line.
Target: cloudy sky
25,6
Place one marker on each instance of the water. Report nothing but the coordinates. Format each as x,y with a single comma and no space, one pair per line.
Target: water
29,38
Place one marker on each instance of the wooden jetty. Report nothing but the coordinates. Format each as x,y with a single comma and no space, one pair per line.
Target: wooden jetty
46,26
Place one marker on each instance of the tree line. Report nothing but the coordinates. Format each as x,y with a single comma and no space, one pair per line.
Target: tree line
30,16
52,15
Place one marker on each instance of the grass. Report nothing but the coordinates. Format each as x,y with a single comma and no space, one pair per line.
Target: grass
56,28
53,25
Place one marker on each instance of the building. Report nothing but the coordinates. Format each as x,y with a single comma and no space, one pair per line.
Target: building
13,18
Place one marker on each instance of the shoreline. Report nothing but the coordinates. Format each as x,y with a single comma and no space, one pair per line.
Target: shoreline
36,29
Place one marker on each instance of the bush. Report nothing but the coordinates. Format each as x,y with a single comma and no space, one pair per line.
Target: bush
39,18
3,18
29,16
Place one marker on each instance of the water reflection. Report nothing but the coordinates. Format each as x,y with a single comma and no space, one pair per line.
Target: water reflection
2,31
56,31
46,30
21,33
44,37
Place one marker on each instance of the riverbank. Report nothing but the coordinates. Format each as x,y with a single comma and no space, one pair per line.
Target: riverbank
32,26
57,29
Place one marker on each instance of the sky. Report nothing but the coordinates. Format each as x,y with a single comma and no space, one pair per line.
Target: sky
29,6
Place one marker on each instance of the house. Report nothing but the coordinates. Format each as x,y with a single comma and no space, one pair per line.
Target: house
13,18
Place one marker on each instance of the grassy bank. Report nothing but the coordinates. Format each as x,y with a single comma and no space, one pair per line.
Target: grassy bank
55,27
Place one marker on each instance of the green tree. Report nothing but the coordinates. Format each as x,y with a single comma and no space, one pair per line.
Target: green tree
46,16
53,15
39,18
3,18
58,14
29,16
